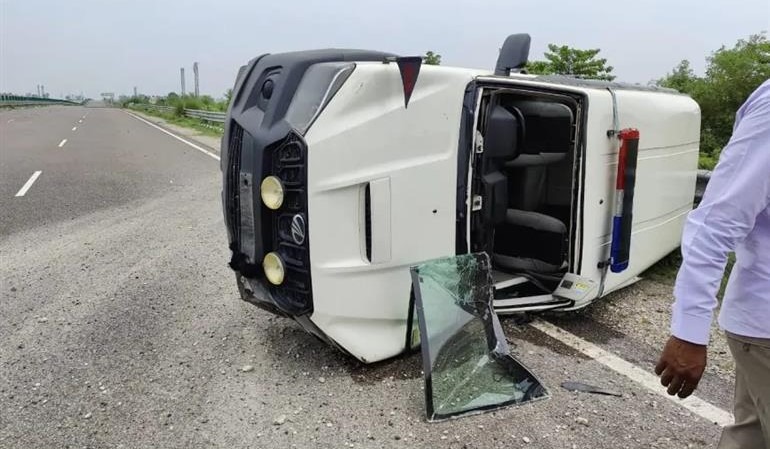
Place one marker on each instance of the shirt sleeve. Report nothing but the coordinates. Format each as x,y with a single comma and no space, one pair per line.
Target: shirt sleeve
738,191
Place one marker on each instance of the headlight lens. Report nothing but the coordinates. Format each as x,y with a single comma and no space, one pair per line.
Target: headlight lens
274,269
271,191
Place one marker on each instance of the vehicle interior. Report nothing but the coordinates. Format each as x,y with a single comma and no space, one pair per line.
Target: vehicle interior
524,192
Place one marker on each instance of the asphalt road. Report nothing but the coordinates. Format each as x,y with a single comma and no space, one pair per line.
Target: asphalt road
121,324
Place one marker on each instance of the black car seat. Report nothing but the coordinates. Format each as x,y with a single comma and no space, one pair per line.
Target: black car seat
527,239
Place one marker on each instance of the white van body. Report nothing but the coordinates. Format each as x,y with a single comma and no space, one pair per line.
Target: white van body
389,186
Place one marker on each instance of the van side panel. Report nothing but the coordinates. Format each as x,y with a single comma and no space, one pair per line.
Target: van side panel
669,127
371,159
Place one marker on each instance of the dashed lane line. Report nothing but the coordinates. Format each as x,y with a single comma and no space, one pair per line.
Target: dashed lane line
28,184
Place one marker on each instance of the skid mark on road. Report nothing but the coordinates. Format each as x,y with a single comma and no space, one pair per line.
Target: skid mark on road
635,373
28,184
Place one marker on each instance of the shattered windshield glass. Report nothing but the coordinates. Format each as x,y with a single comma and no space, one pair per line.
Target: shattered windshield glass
465,356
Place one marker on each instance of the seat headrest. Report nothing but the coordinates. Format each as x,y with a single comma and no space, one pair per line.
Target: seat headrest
502,133
547,126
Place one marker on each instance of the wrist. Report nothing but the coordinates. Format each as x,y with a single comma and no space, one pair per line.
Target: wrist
693,329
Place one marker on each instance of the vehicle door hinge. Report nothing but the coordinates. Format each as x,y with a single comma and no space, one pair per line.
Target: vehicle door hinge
478,201
479,142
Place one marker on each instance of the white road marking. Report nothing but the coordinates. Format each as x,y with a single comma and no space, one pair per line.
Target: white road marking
80,121
645,378
74,128
28,184
202,150
61,144
9,120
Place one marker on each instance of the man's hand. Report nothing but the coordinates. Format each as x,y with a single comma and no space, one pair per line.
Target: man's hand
681,366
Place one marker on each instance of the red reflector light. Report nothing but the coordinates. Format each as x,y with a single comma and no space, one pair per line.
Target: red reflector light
409,67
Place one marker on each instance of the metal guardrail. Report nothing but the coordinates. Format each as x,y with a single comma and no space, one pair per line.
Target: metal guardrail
207,116
19,100
160,108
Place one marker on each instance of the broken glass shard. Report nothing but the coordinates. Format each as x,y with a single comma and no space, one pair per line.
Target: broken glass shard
466,362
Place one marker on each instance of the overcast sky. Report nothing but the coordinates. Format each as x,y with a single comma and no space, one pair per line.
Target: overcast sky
98,46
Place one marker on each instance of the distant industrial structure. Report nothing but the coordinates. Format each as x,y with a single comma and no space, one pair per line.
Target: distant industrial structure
41,91
196,81
195,74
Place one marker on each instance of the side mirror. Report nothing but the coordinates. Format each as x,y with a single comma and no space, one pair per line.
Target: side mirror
513,55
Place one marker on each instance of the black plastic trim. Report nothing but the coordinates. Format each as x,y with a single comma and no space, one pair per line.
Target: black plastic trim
368,221
464,152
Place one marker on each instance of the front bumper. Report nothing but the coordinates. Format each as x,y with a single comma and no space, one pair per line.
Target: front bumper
256,293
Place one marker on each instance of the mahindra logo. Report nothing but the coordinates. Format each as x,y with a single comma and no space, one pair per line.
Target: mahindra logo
298,229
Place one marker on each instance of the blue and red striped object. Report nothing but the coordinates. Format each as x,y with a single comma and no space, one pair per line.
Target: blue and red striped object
620,248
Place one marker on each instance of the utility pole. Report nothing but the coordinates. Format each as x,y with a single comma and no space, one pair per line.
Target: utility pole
195,73
42,91
181,72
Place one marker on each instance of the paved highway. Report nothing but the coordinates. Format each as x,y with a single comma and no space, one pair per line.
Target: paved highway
121,324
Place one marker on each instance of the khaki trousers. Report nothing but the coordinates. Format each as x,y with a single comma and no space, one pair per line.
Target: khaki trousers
752,394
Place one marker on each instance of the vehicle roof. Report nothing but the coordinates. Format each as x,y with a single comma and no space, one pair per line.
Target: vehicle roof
599,84
562,80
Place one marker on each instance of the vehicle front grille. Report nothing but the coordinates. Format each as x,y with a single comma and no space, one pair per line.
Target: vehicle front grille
232,196
289,224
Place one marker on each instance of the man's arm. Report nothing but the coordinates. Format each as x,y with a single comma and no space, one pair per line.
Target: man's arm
739,190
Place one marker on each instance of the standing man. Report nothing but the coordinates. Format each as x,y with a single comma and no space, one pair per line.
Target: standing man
733,216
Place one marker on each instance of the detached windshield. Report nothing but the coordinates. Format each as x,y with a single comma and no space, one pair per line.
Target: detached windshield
466,361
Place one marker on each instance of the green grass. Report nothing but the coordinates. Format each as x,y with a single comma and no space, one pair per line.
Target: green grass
666,269
707,162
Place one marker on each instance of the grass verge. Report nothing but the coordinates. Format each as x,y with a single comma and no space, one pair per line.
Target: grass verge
666,269
187,122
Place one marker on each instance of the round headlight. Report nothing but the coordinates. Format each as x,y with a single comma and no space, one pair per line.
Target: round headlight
274,269
271,191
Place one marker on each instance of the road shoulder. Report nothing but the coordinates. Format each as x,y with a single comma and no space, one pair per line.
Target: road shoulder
211,143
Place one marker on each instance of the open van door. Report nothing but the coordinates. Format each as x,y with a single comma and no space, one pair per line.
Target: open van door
466,363
571,288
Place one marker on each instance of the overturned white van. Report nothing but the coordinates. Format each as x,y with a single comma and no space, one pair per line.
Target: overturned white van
345,168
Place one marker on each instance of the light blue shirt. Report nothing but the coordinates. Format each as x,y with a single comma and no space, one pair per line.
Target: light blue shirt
734,215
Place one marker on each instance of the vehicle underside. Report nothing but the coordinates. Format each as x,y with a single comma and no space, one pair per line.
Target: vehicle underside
526,171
